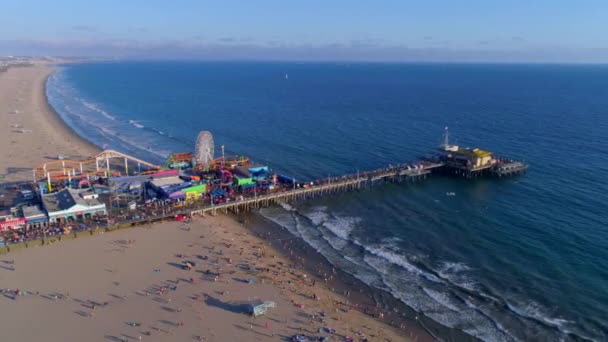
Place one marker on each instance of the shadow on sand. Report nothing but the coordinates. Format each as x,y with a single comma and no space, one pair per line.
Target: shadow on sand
174,264
232,307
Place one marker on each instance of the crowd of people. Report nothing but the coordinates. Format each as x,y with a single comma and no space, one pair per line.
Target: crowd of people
50,229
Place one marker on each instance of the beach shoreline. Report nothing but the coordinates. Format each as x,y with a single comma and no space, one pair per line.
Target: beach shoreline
396,314
33,132
57,117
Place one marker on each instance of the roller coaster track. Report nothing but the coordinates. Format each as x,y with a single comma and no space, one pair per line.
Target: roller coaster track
108,154
96,165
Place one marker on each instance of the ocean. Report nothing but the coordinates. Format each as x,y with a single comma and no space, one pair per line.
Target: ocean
522,258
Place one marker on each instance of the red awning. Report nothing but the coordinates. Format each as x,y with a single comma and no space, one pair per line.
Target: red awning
16,223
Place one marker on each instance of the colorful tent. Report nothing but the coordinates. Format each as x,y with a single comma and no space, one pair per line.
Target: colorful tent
194,192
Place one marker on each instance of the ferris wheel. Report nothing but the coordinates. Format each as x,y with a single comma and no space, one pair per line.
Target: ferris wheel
203,151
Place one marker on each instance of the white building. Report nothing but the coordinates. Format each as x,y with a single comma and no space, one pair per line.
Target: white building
72,204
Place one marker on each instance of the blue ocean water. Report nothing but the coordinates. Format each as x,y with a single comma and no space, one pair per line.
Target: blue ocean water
522,259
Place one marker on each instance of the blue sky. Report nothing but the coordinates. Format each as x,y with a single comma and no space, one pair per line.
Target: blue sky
430,30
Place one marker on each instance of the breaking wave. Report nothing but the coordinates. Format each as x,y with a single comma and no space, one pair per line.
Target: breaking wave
135,124
445,291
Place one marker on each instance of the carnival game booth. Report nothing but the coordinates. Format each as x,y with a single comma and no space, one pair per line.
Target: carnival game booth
72,204
194,192
243,181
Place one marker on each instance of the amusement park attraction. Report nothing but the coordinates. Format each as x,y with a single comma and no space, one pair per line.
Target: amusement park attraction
203,157
111,164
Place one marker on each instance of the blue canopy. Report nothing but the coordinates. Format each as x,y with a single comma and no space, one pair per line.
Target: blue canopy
218,192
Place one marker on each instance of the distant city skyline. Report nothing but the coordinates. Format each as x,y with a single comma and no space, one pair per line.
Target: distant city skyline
476,30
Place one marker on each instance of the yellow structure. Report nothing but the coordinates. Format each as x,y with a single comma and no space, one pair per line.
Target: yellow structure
477,158
194,192
472,159
465,158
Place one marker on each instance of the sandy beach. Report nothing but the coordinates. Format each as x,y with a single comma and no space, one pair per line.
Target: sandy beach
31,132
130,284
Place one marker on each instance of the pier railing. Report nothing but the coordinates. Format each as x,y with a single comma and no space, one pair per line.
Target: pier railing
323,186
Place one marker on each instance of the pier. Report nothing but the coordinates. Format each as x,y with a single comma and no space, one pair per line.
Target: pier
113,187
327,186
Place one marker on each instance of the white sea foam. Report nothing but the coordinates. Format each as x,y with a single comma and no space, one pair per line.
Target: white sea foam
392,241
453,267
317,215
282,218
538,312
136,124
376,268
335,242
97,109
441,298
286,206
342,227
455,273
294,223
400,260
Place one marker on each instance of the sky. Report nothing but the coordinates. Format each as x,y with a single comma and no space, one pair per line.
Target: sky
355,30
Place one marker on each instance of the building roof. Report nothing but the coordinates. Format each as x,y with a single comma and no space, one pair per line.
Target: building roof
473,152
69,198
161,182
32,212
481,153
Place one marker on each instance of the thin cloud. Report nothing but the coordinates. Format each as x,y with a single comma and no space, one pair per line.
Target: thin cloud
286,51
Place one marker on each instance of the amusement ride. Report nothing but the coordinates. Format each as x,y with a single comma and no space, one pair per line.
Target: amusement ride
110,163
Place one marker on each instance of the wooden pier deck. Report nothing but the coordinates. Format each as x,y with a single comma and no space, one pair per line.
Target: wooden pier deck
411,172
